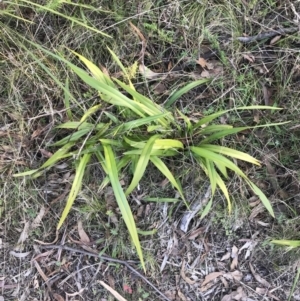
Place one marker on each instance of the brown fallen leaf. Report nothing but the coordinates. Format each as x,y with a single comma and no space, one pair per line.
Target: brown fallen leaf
36,222
19,255
249,57
112,291
202,62
149,74
181,296
75,294
82,234
226,256
160,88
184,277
235,275
58,297
275,39
249,246
46,153
137,31
210,277
234,255
195,233
24,235
264,291
258,277
237,295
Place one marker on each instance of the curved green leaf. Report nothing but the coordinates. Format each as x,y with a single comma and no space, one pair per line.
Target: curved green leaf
231,153
121,200
162,167
184,90
76,186
141,164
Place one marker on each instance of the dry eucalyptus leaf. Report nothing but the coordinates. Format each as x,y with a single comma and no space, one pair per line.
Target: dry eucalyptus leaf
23,237
112,291
210,277
258,277
82,234
202,62
182,296
195,233
235,275
36,222
160,88
184,277
249,57
234,255
149,74
137,31
275,39
58,297
237,295
19,255
226,256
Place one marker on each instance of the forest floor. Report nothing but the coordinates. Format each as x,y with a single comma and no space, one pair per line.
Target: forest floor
250,51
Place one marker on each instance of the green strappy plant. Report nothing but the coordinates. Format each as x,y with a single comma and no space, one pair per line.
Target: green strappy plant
138,132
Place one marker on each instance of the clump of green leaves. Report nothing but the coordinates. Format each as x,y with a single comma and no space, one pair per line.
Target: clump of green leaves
142,132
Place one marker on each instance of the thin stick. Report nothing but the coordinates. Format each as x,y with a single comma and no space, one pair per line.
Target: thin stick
267,34
107,258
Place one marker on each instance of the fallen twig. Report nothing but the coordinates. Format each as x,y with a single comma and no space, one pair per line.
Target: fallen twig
268,34
107,258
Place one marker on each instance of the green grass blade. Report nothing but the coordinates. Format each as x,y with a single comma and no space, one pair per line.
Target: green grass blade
186,120
231,153
26,173
95,71
217,158
120,164
148,107
206,209
161,200
215,128
159,144
115,97
175,96
224,189
211,172
223,170
90,111
262,197
72,138
66,100
162,167
155,152
58,155
45,8
117,60
224,133
142,121
294,284
75,125
76,186
211,117
141,164
121,200
288,243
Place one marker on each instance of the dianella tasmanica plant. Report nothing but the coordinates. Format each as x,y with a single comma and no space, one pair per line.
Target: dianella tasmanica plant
137,132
